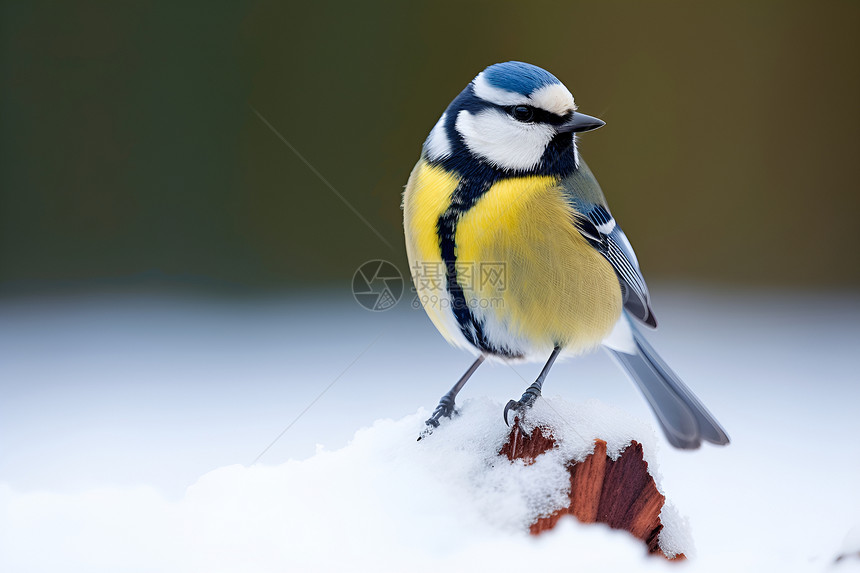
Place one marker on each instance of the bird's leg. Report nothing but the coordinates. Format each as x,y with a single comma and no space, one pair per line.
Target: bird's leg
532,392
446,404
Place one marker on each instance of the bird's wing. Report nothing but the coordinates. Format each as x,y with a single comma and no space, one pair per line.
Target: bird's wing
600,229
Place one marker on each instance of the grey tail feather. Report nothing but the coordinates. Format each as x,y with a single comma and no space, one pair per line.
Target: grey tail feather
684,419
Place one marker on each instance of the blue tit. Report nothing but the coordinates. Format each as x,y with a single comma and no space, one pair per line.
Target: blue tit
515,255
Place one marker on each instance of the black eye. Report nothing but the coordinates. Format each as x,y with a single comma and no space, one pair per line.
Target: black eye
523,113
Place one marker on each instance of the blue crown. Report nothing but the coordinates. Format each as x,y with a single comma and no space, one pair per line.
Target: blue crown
518,77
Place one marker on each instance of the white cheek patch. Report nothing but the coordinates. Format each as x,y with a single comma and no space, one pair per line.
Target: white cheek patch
495,95
554,98
503,141
438,146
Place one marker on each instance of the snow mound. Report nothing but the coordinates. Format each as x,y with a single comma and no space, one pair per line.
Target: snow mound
384,502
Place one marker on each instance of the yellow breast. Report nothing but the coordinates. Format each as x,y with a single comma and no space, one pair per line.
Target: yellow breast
558,289
427,196
527,274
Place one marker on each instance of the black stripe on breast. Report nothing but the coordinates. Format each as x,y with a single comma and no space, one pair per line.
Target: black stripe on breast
464,198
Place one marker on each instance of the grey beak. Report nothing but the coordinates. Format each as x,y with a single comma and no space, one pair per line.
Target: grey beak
580,122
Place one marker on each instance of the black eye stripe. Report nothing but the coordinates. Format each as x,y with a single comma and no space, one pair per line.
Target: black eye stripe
538,115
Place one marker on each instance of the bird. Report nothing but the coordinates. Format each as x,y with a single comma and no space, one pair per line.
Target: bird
515,255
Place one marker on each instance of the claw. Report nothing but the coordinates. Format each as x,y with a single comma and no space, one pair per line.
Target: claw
445,409
516,407
426,432
528,399
533,392
511,405
430,425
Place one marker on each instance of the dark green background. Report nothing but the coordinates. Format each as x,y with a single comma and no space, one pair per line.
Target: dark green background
130,151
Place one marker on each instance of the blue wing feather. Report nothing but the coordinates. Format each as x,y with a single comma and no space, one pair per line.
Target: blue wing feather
596,224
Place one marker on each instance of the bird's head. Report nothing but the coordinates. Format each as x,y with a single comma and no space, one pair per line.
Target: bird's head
513,117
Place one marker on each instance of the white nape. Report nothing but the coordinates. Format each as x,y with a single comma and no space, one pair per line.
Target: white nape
438,146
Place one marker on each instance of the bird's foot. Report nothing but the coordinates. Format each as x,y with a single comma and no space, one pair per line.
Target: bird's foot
445,409
520,406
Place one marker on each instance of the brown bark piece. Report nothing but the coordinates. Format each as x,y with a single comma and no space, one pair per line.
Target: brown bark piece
586,484
521,446
620,493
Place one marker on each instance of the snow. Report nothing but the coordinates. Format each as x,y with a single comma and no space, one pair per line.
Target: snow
129,424
384,502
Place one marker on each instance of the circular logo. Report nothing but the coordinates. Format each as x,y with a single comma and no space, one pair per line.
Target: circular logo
377,285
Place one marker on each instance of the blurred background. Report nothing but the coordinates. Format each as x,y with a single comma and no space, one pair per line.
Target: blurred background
131,154
176,259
